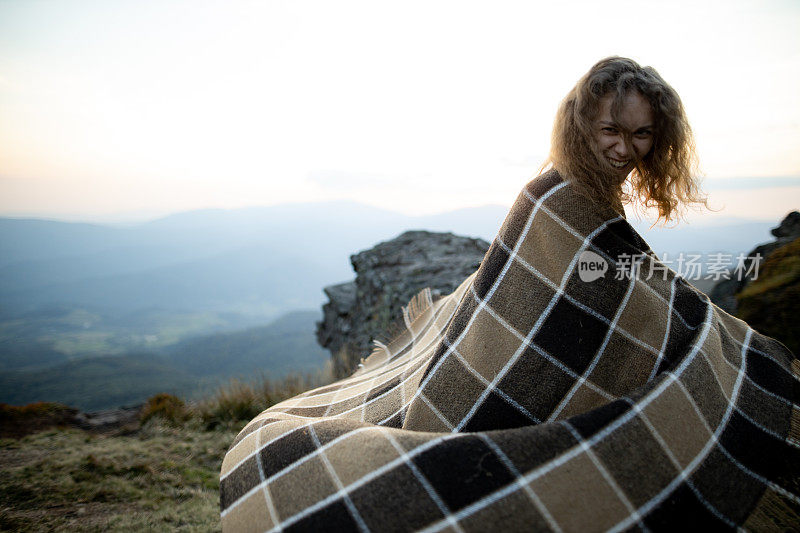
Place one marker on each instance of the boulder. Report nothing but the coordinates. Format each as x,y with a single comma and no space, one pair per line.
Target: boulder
771,303
387,277
108,419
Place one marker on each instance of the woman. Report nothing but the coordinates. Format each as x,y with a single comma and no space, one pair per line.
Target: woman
622,119
535,397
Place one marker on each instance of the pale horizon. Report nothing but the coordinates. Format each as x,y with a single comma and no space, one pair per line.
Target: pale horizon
129,111
768,204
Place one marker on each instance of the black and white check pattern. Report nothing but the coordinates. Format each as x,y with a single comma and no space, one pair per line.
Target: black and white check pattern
532,400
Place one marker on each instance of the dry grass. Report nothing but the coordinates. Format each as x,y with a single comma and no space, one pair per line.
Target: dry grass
162,477
168,408
237,403
17,421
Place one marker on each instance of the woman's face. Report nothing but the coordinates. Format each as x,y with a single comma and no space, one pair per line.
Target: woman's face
635,120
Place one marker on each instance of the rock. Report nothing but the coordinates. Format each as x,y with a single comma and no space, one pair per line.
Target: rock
771,303
108,419
387,277
789,227
724,292
335,325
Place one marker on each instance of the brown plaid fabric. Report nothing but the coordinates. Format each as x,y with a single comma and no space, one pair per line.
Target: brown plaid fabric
536,397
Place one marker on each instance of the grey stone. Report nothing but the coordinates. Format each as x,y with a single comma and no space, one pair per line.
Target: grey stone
789,226
108,419
387,277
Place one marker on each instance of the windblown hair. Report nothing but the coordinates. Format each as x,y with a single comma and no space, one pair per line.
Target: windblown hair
664,177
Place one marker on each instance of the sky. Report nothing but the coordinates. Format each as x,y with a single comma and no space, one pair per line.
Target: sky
126,110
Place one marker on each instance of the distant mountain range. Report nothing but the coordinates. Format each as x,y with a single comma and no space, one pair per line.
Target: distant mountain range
254,263
189,368
97,316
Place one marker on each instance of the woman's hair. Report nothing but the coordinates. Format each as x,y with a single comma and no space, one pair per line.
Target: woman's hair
664,177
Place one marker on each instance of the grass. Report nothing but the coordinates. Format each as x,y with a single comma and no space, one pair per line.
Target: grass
17,421
238,402
161,476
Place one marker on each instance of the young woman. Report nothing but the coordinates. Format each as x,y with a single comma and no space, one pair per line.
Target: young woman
537,398
620,121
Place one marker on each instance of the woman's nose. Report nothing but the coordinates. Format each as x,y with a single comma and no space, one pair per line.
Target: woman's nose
621,149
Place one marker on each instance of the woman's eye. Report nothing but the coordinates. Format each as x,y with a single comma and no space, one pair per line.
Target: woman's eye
644,134
609,130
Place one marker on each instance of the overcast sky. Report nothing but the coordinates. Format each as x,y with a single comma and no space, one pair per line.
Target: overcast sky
129,109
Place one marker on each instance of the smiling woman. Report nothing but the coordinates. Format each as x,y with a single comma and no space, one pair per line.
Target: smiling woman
545,393
623,120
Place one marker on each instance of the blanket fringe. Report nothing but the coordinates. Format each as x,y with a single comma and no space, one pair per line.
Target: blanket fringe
420,303
794,424
417,306
794,427
773,512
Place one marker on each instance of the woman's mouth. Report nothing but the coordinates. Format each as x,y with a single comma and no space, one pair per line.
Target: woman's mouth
617,164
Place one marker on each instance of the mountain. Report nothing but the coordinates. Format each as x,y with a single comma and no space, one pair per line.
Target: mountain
96,383
254,261
730,235
285,346
189,367
71,290
218,259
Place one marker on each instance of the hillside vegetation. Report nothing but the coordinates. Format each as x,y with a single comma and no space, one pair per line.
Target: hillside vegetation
96,383
193,367
160,478
161,474
771,304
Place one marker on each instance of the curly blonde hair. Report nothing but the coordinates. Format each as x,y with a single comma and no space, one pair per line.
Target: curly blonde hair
664,177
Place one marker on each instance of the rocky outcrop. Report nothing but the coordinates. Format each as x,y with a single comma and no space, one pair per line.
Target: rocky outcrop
724,292
108,419
771,303
387,277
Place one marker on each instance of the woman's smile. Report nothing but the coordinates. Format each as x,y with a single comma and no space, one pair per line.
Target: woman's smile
617,164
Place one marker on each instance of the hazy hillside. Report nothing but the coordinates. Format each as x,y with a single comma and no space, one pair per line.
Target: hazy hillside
284,346
72,292
255,280
55,333
192,367
730,235
96,383
258,262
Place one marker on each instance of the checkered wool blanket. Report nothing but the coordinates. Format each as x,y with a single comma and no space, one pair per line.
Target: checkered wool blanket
553,390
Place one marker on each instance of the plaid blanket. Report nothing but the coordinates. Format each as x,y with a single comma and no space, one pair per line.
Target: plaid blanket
561,387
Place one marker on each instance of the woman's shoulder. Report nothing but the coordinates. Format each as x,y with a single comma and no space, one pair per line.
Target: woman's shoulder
544,182
561,194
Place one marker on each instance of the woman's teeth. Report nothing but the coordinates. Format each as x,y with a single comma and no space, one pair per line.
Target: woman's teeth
617,164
